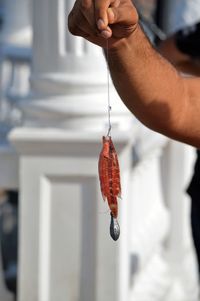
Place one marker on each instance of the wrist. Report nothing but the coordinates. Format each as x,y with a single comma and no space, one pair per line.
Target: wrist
117,45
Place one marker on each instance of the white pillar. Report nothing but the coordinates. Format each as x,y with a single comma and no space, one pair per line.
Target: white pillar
66,252
15,33
15,49
65,63
150,271
17,22
69,75
15,43
177,170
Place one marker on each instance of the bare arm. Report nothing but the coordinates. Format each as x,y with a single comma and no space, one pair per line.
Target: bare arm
149,86
153,90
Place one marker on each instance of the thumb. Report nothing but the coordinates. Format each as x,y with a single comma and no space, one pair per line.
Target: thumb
124,16
101,8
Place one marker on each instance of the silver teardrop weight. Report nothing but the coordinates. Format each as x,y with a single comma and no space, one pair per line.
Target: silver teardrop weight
114,228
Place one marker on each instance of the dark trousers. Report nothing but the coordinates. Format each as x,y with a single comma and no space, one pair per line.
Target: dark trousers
195,225
194,192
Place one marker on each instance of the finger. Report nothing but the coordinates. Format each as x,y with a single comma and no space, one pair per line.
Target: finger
87,9
111,16
107,33
101,7
126,15
78,25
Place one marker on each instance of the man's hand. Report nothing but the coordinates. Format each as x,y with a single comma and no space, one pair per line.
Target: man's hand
98,20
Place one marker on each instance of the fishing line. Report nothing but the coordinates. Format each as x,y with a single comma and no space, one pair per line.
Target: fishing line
108,91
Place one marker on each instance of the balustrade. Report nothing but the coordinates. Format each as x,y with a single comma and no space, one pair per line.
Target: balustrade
65,251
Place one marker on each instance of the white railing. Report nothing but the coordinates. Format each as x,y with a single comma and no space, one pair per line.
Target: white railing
65,252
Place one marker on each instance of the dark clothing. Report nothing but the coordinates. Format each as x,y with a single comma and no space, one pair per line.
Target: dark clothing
194,187
194,192
9,239
188,41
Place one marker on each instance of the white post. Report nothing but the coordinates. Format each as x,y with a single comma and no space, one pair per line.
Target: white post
177,171
66,251
17,25
15,42
69,75
63,62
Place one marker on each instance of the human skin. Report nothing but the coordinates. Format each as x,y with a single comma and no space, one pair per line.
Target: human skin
147,83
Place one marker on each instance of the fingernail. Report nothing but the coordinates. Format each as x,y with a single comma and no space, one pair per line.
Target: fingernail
105,34
100,24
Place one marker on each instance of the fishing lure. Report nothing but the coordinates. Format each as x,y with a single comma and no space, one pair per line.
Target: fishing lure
109,176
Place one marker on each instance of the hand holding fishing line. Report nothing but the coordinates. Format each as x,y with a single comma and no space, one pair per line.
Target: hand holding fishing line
98,20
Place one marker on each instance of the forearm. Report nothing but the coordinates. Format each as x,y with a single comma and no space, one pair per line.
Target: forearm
149,86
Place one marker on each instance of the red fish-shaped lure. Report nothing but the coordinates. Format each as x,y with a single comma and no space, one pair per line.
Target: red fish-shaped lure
109,176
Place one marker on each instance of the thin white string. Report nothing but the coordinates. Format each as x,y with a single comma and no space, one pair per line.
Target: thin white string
108,91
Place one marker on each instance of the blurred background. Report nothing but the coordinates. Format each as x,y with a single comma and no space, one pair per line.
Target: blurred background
54,226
